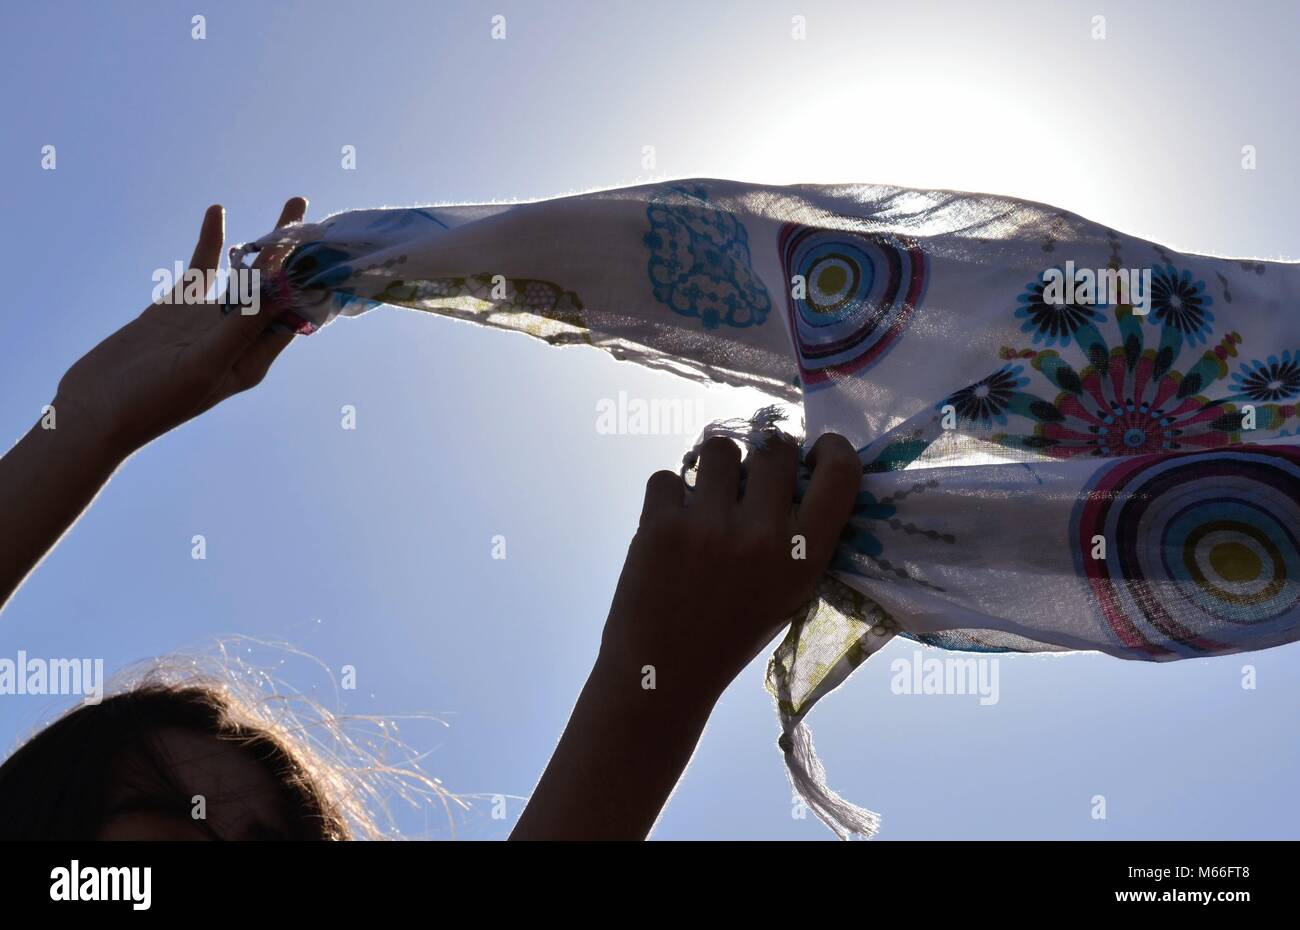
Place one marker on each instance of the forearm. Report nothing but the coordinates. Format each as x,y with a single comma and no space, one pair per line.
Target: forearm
622,753
46,480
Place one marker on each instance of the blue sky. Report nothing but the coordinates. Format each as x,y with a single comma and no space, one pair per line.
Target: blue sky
371,547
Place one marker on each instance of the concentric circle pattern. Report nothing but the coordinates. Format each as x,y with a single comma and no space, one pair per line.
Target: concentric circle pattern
1202,549
852,297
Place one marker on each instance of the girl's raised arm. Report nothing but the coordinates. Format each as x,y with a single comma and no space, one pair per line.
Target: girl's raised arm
170,364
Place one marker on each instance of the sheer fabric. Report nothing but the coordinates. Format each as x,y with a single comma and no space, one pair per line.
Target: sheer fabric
1052,460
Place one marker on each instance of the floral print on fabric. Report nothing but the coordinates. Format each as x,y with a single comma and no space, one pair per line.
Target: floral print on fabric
1123,384
699,262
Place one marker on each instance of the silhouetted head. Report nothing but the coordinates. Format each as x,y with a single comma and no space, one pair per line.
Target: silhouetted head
166,761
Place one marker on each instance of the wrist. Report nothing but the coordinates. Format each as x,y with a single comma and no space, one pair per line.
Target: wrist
70,429
71,438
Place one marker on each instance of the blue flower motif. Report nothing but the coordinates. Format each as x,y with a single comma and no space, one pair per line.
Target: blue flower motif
1180,302
986,401
1051,323
1275,379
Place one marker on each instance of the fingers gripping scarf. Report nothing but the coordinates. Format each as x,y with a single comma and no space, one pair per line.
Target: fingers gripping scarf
1045,468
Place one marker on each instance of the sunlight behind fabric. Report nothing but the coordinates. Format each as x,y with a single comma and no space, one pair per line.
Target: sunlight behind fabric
1050,462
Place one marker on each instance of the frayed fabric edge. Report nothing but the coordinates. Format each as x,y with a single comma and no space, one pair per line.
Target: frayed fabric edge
751,432
808,778
805,770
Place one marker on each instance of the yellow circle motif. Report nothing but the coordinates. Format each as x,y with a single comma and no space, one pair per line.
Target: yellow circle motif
1235,562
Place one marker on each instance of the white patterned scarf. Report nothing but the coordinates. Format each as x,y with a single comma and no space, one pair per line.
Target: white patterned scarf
1071,438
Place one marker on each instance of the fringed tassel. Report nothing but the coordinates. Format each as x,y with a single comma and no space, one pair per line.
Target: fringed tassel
752,432
808,778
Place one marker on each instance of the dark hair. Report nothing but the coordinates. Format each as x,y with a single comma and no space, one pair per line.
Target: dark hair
335,775
58,785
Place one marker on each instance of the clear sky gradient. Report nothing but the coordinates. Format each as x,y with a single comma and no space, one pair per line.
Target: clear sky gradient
372,547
